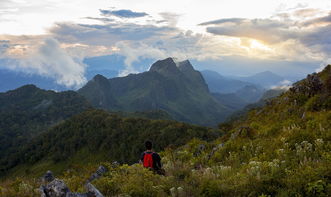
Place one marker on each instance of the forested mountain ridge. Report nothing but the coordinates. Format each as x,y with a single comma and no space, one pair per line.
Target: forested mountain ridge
97,135
174,87
27,111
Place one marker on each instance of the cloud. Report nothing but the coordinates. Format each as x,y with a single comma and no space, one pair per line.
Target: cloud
156,40
135,41
49,60
145,39
306,12
324,20
59,54
283,85
106,34
103,19
323,65
223,20
4,45
123,13
285,31
170,18
318,39
278,37
267,30
182,45
54,62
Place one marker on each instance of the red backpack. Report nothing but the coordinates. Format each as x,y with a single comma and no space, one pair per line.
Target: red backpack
148,160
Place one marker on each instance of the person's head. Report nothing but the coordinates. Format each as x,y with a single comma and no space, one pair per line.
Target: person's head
148,145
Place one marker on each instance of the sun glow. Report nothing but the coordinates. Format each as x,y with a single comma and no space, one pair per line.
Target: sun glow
254,44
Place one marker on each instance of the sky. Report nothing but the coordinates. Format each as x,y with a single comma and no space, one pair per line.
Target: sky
51,38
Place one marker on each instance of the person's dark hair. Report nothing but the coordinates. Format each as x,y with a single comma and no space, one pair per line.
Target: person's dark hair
148,145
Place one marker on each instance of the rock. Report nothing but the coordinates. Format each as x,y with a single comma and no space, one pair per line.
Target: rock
310,86
173,192
201,147
181,192
220,145
101,170
57,188
303,115
48,177
92,190
177,192
199,150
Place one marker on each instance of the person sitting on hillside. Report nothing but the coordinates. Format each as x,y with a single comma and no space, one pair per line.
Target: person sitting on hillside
151,160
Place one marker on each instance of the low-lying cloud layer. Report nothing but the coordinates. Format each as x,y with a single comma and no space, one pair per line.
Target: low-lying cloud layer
46,59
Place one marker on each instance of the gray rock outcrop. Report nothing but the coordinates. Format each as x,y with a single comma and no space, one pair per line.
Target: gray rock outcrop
54,187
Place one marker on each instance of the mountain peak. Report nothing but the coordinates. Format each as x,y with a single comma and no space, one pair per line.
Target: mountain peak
166,66
30,88
172,65
185,66
99,78
267,74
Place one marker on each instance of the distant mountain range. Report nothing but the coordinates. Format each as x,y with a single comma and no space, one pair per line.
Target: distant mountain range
250,93
239,91
265,79
111,66
221,84
174,87
10,80
229,84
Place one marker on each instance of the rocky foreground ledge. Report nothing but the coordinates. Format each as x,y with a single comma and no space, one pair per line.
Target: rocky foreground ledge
53,187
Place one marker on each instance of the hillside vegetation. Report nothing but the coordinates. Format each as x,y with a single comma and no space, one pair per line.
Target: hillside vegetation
28,111
96,135
282,149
